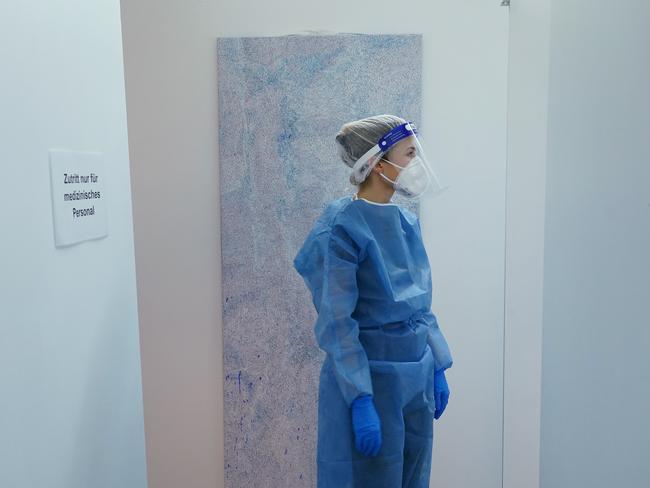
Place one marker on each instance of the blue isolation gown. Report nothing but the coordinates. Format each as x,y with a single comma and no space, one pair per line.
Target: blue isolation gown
369,276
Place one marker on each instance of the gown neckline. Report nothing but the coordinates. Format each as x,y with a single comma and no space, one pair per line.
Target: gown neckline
356,197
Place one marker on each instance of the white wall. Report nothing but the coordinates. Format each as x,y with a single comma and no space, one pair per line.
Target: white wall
71,401
596,371
170,53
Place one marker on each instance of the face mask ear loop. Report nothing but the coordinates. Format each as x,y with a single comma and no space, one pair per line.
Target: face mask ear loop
400,168
388,179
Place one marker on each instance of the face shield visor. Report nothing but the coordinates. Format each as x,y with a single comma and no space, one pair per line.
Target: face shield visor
401,148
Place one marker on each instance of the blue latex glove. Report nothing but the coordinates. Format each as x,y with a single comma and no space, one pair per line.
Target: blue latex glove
441,392
366,426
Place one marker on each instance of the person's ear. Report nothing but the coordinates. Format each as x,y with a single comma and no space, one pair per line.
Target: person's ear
374,167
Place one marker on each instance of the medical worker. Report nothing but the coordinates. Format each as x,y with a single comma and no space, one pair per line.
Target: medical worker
382,382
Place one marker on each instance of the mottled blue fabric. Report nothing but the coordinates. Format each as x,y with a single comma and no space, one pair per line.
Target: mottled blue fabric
281,102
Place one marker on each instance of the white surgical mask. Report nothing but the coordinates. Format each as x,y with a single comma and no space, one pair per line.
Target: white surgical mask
412,180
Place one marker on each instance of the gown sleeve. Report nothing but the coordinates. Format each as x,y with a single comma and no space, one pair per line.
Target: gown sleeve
441,354
331,274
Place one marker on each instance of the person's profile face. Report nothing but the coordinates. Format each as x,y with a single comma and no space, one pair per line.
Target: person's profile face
403,152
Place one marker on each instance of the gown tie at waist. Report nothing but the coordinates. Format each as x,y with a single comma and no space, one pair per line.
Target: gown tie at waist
396,341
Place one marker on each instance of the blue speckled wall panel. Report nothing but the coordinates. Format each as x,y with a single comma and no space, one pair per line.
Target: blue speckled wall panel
281,103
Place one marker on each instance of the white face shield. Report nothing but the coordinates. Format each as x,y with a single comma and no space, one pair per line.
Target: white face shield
416,176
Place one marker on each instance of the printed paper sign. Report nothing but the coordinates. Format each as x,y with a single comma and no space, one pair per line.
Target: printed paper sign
78,196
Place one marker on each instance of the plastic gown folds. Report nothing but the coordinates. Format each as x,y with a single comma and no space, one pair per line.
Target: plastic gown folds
369,276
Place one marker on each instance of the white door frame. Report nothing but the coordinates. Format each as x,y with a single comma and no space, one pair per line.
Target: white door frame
525,200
